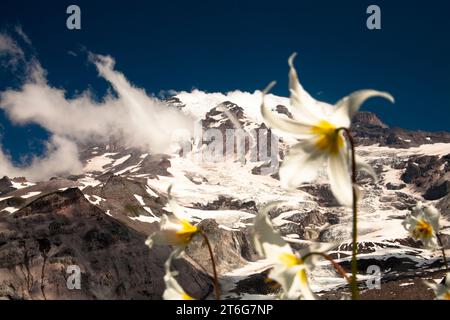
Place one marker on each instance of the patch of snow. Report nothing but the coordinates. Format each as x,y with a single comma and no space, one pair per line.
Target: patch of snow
391,175
21,185
31,194
10,209
95,202
227,218
406,140
438,149
150,191
406,284
130,168
140,200
146,219
88,181
98,163
121,160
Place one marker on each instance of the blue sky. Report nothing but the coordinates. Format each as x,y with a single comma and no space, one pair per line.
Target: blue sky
228,45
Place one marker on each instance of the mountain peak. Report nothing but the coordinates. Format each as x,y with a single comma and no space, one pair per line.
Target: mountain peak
370,118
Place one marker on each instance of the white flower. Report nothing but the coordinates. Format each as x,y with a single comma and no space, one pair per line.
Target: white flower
173,289
175,230
442,291
316,124
289,269
423,224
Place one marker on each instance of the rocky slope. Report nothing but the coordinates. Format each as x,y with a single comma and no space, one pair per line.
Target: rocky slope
98,220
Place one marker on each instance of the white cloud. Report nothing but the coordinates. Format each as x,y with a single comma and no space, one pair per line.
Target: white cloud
23,35
199,102
141,120
61,158
10,50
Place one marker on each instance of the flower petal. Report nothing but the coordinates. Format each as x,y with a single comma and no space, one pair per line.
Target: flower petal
349,106
301,164
340,178
267,241
300,284
285,277
276,121
178,211
363,166
304,107
433,216
173,289
312,260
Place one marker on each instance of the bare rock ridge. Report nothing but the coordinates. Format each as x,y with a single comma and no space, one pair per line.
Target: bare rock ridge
369,129
6,185
114,261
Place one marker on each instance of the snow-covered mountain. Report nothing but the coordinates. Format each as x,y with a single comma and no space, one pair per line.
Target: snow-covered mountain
99,219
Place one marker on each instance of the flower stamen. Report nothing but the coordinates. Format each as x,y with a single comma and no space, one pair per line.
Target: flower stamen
423,230
290,260
330,139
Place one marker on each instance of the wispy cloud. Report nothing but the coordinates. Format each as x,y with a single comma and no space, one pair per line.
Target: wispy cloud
61,158
10,52
23,35
140,120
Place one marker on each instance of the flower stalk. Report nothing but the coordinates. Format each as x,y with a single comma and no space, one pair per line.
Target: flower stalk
443,252
213,263
354,263
336,265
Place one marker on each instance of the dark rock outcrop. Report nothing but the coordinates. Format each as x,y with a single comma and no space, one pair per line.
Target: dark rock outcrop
6,185
232,249
368,129
430,175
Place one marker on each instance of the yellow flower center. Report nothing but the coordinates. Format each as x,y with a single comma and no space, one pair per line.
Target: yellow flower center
446,296
423,230
303,277
185,296
329,139
290,260
186,232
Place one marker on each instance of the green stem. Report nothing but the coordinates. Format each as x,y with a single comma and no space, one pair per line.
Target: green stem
213,262
336,265
354,265
443,252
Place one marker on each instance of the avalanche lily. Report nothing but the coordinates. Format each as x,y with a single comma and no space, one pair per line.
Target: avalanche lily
423,224
320,127
442,291
173,289
289,268
175,230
